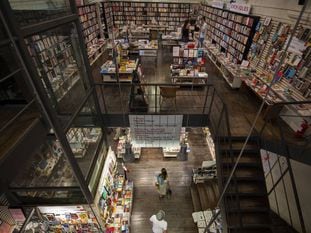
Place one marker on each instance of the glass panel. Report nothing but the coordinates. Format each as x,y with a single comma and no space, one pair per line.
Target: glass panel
84,144
31,12
48,167
84,136
51,197
3,34
77,218
7,61
13,129
98,169
57,57
10,90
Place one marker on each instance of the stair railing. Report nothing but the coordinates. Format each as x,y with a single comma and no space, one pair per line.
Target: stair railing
282,59
220,127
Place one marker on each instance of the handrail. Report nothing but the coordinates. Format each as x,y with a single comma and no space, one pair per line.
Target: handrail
12,120
258,113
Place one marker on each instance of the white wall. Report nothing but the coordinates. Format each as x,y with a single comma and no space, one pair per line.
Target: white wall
280,10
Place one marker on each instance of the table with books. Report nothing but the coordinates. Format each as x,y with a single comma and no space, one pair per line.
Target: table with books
126,70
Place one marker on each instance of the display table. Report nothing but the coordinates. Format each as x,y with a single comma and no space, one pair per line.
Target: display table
139,33
121,148
121,145
144,48
199,175
188,76
126,71
69,219
171,39
172,150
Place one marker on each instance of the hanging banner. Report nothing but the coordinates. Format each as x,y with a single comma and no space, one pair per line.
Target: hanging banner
218,4
240,8
155,130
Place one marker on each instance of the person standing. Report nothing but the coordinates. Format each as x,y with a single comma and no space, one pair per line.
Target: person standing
185,31
162,183
159,225
203,30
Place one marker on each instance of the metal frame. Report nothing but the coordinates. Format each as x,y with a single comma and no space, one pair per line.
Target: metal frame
46,106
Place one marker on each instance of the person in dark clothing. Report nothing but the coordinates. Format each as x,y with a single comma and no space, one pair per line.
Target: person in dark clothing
185,31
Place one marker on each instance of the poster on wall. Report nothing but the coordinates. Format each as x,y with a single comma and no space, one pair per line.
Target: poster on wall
155,130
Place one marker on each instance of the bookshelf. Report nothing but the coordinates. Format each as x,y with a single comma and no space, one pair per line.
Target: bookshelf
171,14
106,17
90,19
52,54
295,72
80,139
231,32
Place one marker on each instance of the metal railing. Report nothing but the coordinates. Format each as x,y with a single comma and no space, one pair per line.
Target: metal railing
125,98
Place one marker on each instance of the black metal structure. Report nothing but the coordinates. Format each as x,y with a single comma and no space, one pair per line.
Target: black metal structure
37,115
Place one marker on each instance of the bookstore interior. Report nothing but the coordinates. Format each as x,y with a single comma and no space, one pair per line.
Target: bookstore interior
103,94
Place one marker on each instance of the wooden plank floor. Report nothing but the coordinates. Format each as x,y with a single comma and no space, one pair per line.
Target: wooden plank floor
146,201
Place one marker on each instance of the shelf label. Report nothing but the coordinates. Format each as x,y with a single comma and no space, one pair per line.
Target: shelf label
218,4
240,8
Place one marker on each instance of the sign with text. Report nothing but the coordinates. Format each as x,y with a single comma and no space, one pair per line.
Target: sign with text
155,130
218,4
240,8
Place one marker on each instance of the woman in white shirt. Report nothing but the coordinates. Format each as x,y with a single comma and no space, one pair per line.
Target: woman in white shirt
159,225
203,30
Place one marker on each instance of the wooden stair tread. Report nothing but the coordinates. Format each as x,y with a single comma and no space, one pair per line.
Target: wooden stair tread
195,198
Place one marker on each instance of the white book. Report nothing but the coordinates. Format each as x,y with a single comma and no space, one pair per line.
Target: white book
186,53
195,53
175,51
191,53
201,224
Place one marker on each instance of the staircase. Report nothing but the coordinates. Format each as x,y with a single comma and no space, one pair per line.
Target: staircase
204,195
246,202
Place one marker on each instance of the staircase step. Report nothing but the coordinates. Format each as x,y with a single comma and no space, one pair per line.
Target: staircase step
245,159
248,173
239,139
195,198
202,196
247,202
237,146
262,209
247,187
242,164
248,219
216,190
211,196
250,229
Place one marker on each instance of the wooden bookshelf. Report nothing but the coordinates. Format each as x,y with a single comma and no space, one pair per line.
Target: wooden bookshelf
54,60
232,32
90,19
106,17
171,14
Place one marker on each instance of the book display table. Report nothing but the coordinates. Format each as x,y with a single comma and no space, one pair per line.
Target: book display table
126,71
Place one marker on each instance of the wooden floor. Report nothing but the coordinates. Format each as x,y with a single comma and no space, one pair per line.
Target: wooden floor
146,200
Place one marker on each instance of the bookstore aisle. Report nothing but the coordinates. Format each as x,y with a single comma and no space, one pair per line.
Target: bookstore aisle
146,200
